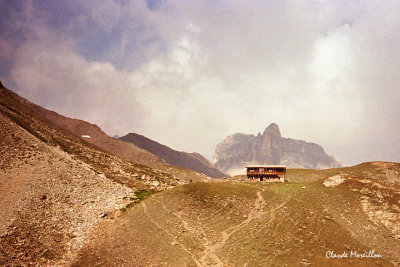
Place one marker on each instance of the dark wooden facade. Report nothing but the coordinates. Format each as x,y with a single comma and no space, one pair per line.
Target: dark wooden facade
266,172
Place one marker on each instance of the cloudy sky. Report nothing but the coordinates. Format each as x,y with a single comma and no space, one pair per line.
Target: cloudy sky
189,73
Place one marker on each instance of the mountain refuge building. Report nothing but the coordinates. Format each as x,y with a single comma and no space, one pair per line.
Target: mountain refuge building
266,172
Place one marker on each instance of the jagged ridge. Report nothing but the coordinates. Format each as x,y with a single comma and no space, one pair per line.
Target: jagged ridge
238,150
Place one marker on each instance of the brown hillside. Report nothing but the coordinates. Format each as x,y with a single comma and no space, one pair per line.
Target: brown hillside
193,161
55,188
260,224
81,128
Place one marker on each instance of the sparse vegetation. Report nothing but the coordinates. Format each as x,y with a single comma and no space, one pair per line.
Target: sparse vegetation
142,194
57,190
298,223
73,174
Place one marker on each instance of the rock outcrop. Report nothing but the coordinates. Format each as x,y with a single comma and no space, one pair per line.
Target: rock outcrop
238,150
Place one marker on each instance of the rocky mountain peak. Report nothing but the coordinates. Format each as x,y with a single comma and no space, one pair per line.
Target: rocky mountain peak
272,129
238,150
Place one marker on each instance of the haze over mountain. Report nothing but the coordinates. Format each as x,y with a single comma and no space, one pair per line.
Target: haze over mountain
188,74
67,202
193,161
238,150
323,70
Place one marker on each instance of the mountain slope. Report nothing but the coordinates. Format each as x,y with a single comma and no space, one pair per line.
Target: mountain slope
65,201
238,150
93,134
49,200
193,161
55,187
262,224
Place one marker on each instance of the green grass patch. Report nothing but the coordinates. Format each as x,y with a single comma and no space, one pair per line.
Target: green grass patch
142,194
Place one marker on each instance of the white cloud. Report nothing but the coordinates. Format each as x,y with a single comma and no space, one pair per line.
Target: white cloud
190,73
56,76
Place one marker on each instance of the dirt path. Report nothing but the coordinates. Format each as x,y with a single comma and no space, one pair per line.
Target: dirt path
170,233
210,250
208,256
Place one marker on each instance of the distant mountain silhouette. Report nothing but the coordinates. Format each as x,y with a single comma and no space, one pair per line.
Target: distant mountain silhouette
193,161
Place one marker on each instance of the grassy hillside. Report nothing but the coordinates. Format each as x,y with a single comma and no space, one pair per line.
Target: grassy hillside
182,175
258,224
